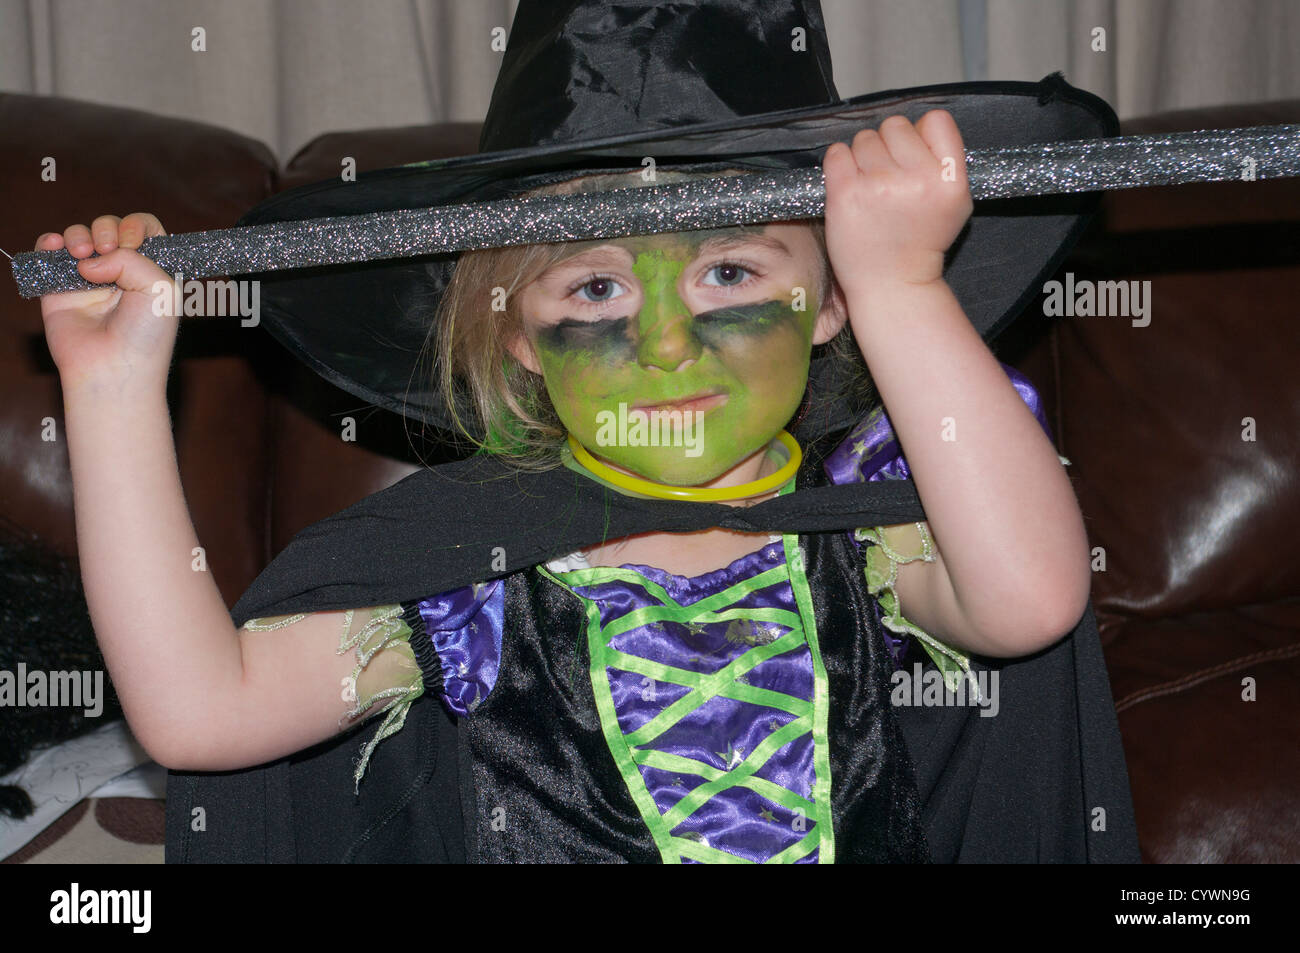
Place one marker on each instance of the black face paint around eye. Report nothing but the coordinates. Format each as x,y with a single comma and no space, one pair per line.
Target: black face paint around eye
609,337
743,319
605,336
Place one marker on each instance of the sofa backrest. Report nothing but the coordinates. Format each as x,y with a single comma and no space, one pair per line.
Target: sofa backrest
1183,433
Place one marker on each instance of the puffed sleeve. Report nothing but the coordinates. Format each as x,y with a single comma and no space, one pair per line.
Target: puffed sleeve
457,640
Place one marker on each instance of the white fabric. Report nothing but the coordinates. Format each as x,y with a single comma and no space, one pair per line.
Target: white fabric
59,776
285,71
578,560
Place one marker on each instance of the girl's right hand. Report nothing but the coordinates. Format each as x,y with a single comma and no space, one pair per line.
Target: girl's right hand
111,337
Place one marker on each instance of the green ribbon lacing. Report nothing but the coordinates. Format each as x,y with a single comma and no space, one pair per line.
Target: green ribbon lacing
770,631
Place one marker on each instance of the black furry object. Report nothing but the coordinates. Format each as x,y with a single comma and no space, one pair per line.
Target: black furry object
45,625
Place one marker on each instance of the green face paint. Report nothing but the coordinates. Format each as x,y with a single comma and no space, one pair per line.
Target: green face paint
752,355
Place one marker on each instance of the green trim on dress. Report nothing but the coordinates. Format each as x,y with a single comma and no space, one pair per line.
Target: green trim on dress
629,751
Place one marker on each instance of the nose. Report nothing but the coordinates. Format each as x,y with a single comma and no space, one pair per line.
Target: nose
667,337
665,327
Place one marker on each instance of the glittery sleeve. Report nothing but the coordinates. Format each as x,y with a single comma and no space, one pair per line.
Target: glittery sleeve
888,548
386,669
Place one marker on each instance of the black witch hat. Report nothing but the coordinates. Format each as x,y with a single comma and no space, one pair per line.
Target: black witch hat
589,86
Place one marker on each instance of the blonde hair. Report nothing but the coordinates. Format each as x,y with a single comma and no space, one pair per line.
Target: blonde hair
473,366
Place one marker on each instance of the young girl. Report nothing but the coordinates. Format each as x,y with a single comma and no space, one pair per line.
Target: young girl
700,322
711,696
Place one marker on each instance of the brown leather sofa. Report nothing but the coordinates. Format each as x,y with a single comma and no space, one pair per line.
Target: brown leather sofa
1184,435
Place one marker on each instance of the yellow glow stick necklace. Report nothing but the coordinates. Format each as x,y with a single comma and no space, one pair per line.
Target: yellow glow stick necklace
666,491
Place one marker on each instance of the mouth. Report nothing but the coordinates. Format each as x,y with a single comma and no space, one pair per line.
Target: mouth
703,401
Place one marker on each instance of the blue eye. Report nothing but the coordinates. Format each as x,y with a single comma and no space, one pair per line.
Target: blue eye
598,290
601,289
731,274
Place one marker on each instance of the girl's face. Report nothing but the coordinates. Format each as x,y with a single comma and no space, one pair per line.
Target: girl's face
716,324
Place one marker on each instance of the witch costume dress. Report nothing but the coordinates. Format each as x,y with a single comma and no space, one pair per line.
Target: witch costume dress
780,709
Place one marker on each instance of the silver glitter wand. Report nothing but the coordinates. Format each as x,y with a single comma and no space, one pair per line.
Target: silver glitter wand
1080,165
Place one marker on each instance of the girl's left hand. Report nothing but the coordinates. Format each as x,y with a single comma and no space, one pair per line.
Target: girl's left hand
895,202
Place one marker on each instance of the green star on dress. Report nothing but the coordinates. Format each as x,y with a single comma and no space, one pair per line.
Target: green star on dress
731,757
747,632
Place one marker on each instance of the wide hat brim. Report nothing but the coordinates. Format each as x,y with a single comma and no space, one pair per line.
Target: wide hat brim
364,327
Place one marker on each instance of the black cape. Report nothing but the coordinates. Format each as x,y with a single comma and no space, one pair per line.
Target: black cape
471,521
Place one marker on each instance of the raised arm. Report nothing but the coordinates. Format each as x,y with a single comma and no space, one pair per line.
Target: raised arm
197,693
1013,574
